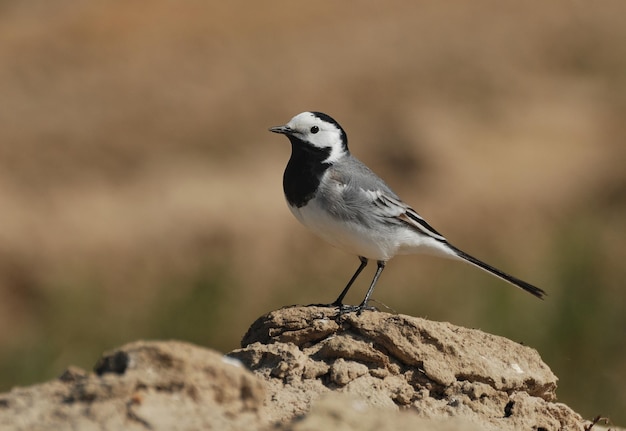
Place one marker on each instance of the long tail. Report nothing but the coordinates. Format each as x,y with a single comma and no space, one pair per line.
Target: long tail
533,290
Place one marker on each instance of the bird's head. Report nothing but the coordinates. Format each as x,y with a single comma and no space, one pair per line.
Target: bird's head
316,130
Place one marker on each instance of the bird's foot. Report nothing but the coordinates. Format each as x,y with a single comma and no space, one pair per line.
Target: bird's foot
345,309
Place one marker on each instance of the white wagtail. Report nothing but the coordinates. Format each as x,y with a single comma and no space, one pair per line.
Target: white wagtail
344,202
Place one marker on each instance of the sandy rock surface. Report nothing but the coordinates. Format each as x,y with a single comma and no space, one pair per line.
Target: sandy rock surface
142,386
438,370
311,368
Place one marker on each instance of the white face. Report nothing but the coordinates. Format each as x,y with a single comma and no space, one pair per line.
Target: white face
317,132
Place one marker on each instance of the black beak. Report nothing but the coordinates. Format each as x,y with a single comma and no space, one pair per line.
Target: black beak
283,130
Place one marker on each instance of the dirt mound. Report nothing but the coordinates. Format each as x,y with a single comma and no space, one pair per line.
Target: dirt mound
312,368
437,369
142,386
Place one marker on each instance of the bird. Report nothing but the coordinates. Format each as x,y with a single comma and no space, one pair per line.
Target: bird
345,203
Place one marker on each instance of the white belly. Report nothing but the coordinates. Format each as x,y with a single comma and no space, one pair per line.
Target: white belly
380,242
349,236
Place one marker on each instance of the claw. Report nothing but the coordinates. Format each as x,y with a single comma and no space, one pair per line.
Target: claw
345,309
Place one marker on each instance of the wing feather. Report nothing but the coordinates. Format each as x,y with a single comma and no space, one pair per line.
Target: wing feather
366,195
392,206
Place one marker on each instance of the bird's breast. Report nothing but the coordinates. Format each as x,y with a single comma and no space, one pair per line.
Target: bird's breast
303,173
346,234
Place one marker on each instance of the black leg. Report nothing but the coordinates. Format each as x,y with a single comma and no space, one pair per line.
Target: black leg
339,301
379,270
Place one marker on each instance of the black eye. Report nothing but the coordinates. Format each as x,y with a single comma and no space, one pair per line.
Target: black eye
315,129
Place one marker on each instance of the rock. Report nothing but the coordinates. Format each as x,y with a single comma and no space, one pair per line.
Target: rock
142,386
312,369
341,412
438,370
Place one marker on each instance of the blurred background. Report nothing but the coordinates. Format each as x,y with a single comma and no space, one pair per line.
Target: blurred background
141,193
